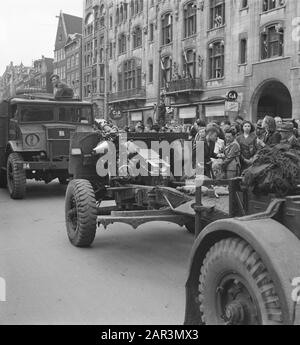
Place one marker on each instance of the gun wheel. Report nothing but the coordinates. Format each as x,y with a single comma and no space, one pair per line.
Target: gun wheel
80,213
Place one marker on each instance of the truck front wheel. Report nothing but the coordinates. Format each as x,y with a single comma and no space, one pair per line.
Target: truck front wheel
236,288
80,213
16,177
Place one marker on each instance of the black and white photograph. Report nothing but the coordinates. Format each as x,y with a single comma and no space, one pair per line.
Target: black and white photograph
149,165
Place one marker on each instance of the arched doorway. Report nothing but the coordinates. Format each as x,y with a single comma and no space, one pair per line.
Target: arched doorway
272,98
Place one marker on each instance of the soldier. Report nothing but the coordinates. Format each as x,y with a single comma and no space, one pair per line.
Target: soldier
60,89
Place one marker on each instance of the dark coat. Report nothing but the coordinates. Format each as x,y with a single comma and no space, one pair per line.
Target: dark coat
209,152
272,138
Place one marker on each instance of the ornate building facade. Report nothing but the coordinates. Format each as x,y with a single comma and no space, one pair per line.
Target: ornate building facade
67,25
191,55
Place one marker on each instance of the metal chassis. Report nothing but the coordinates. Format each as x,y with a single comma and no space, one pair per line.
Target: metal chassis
162,203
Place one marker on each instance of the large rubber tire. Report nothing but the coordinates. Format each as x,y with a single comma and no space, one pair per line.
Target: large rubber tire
16,177
233,269
80,213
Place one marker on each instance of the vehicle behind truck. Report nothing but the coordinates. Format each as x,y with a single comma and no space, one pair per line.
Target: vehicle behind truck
35,132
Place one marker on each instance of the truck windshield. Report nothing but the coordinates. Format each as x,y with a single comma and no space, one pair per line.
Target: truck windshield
37,114
75,114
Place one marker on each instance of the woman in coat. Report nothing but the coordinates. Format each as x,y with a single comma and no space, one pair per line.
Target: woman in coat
248,144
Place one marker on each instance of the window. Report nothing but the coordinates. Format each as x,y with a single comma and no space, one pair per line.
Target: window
110,50
119,81
37,114
132,8
272,39
151,72
102,19
167,29
77,59
125,11
151,32
189,63
75,114
137,6
117,16
244,4
110,83
243,51
121,14
216,60
190,19
137,37
102,79
122,43
131,77
271,4
217,13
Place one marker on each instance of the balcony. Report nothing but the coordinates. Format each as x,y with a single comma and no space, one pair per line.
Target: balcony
187,85
128,95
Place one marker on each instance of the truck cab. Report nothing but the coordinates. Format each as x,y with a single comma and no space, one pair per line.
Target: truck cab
35,134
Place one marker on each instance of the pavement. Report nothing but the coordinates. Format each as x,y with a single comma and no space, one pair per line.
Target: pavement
127,277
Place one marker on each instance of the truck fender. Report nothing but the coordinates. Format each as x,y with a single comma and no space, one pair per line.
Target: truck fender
276,245
14,146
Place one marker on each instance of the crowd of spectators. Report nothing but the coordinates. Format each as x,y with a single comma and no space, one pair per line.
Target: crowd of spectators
229,147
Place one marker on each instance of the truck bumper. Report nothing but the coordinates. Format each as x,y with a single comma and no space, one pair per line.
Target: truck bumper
43,165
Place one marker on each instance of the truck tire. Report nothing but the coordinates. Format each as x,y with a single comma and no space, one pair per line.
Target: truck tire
236,288
16,177
80,213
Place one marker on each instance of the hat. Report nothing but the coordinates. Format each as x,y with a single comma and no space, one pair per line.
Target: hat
53,75
286,127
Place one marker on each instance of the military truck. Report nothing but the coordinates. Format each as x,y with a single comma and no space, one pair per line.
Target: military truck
35,132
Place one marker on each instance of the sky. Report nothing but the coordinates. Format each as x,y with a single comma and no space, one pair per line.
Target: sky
28,28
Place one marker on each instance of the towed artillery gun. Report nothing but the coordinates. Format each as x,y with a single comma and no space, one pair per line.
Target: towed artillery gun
35,131
137,198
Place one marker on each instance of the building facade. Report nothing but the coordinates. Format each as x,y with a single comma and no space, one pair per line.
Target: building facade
73,54
67,25
94,54
13,76
38,76
211,59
